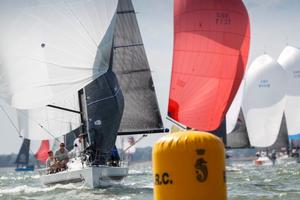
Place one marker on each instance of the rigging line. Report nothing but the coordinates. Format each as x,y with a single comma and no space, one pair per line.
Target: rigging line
89,35
38,124
11,121
142,137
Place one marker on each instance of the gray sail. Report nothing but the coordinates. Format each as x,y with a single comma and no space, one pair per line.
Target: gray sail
23,155
282,140
238,138
130,64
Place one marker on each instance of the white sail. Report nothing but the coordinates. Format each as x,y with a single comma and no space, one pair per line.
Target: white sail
263,102
234,110
50,48
290,61
49,123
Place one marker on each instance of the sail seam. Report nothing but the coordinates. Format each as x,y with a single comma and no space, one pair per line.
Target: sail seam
207,52
194,74
136,71
131,45
126,12
200,10
105,98
214,31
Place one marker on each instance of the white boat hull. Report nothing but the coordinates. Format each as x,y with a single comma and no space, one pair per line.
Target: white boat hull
93,177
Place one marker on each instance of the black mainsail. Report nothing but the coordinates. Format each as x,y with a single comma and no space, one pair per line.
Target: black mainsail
23,155
123,99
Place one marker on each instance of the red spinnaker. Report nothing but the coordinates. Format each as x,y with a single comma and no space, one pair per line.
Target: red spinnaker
211,45
42,153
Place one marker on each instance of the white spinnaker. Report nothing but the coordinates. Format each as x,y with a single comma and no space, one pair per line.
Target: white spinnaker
234,110
290,61
50,48
49,123
264,100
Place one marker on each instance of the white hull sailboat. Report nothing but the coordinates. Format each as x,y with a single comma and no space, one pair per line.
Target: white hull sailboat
90,176
91,50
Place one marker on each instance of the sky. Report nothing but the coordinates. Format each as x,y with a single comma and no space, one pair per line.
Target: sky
274,24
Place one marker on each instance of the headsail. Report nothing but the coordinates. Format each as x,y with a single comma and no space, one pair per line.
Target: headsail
50,48
211,47
263,102
290,61
42,153
23,155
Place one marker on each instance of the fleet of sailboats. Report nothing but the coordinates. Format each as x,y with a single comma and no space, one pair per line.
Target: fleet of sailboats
71,67
23,159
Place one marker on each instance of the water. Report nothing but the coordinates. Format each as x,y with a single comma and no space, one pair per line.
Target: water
244,181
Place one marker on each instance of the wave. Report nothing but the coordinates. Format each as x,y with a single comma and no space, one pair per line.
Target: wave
28,189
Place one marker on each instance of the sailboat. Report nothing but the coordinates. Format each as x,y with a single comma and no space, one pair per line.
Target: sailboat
263,104
211,45
91,50
22,160
238,137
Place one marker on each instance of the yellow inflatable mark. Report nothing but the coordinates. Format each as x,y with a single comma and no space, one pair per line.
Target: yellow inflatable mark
189,165
175,129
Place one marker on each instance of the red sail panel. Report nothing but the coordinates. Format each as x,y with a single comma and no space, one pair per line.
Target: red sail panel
42,153
211,45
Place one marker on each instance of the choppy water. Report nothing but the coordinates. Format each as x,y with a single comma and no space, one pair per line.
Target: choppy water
244,181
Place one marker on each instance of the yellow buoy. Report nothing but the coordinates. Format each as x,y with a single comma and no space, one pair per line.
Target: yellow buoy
189,165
